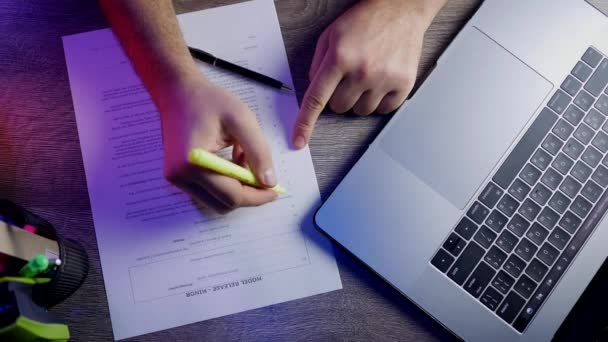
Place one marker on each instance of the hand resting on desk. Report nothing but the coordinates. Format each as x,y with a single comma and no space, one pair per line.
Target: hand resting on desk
366,61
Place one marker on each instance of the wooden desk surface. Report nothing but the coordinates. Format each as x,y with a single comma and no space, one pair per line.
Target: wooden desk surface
37,119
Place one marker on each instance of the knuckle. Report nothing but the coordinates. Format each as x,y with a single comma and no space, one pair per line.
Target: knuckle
341,55
314,102
304,126
366,70
233,200
337,105
404,80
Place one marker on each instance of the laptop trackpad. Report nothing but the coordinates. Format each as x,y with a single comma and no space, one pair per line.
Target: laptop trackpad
465,116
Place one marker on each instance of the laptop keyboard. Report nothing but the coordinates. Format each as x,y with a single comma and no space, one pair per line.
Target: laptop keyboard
531,220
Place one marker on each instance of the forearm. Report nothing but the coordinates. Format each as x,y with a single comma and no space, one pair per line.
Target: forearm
150,35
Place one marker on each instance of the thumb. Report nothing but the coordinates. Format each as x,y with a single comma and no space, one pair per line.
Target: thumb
244,128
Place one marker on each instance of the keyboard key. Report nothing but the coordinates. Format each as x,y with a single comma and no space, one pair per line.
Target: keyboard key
540,194
514,265
525,249
479,279
581,172
583,100
601,176
559,202
530,174
442,260
570,187
536,270
507,205
600,142
524,148
574,115
591,156
525,286
547,254
490,195
495,257
559,238
592,57
518,225
466,228
584,133
581,71
563,129
594,119
559,101
503,282
541,159
510,307
454,244
485,236
562,163
534,304
570,222
599,79
507,241
584,231
478,212
580,206
491,298
571,85
496,221
537,233
551,179
548,218
529,209
602,104
552,144
605,127
592,191
573,148
465,263
519,189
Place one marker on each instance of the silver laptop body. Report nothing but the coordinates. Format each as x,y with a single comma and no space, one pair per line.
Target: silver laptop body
483,199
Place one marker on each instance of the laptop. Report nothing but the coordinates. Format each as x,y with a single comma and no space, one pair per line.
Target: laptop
483,199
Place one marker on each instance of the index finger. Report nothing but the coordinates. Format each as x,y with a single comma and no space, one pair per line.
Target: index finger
316,97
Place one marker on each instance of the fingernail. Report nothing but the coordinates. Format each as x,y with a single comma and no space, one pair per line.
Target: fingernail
299,142
269,178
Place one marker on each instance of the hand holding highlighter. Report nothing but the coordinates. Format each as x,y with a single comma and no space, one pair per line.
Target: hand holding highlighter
215,163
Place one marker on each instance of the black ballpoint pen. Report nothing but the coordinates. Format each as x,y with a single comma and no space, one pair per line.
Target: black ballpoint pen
220,63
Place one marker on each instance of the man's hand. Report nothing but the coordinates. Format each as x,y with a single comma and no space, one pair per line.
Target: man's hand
198,114
194,113
366,60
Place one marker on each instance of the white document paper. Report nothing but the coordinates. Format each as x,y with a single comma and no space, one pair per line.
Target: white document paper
165,262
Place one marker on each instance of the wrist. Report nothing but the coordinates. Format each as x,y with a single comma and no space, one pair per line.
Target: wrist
176,88
424,11
170,74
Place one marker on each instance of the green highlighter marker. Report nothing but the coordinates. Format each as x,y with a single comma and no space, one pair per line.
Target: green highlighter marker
222,166
37,265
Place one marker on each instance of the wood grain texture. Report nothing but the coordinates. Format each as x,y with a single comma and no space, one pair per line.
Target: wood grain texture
37,119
